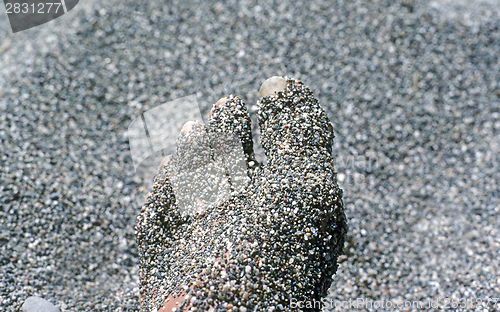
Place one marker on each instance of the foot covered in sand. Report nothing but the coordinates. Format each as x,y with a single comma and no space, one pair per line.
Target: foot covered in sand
221,232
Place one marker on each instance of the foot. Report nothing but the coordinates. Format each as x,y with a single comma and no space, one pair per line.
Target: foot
255,237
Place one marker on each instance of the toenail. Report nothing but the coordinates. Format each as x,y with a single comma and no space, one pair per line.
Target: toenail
187,127
272,85
165,161
219,103
147,196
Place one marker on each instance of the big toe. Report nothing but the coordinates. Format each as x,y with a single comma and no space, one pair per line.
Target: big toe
300,189
291,120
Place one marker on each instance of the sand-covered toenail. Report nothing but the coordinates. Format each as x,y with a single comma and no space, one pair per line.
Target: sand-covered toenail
272,85
147,196
165,160
219,103
188,126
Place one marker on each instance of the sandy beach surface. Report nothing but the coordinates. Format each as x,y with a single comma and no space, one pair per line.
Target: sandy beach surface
411,87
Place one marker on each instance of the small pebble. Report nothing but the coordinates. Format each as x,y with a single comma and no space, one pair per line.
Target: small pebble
37,304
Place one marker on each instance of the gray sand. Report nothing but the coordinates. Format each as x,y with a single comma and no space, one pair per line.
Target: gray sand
412,88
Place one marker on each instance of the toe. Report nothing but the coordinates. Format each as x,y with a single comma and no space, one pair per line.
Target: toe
230,115
293,120
195,179
158,220
301,188
178,188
